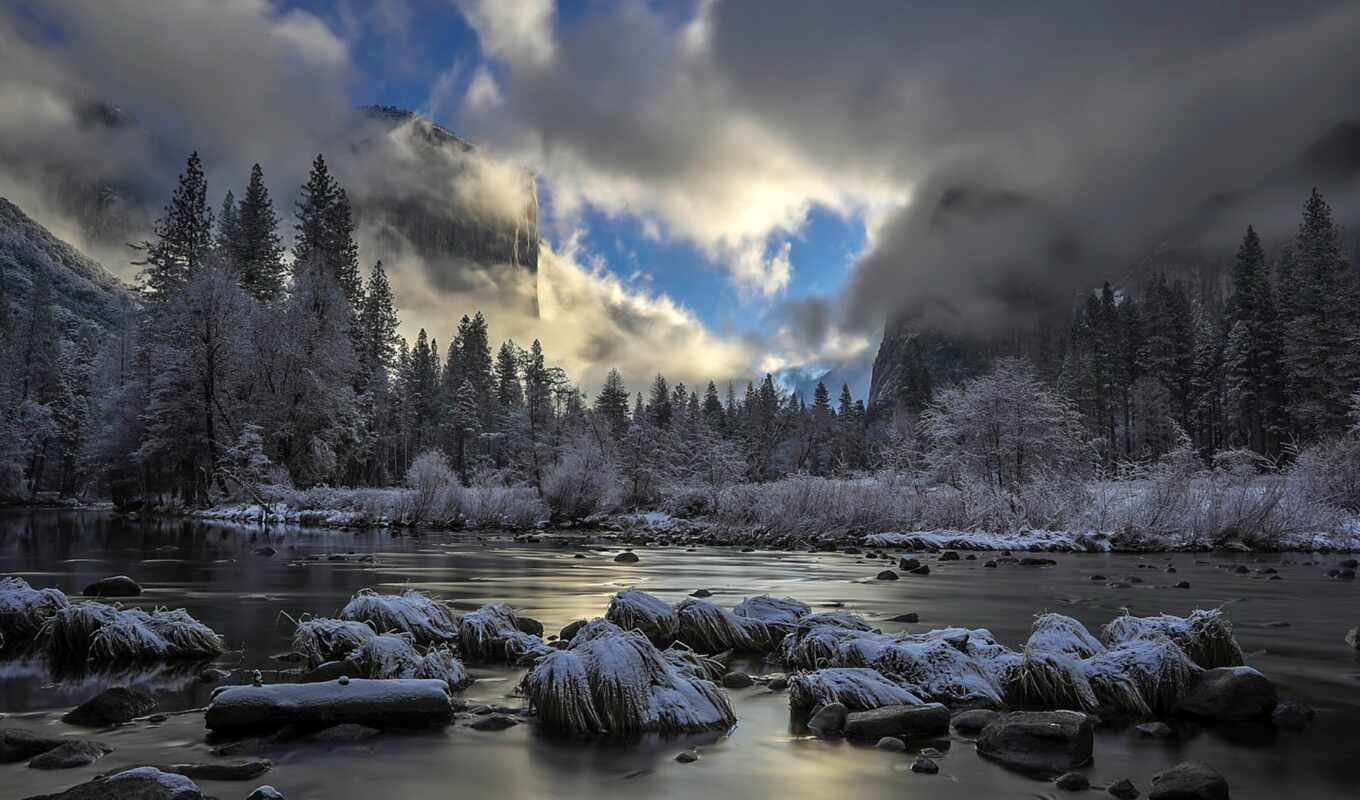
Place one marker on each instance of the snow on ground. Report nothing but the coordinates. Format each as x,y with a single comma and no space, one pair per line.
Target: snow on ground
1035,540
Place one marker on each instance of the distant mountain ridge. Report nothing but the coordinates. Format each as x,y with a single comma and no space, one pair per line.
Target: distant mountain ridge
86,297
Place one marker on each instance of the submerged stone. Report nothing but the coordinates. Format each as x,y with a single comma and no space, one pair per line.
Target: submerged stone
110,707
1189,780
1039,742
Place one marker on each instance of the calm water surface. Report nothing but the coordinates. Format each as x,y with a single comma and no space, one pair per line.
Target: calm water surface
211,570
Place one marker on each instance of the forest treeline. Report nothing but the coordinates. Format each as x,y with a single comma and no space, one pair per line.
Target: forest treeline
243,365
1269,360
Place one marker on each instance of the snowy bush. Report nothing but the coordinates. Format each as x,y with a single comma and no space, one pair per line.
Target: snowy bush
582,482
1329,473
428,474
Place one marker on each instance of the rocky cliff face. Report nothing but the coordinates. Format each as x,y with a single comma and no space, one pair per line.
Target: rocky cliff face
453,206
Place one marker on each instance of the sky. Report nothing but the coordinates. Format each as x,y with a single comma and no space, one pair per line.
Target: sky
728,188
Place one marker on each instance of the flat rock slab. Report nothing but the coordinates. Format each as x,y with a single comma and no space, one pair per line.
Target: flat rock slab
1230,694
931,719
374,703
971,722
111,707
20,745
239,771
1190,780
1039,742
142,783
71,754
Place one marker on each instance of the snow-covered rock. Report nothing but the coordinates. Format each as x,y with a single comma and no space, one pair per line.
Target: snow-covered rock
425,620
614,681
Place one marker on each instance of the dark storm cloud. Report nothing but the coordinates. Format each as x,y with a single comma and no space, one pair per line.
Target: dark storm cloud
1048,145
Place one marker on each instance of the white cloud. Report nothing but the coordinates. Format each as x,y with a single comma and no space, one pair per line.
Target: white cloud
519,31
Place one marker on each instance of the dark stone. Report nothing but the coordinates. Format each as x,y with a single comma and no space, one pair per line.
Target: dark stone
529,625
213,675
1189,780
570,629
1155,730
1037,562
1183,585
117,586
737,680
925,766
494,722
906,721
687,757
949,555
265,551
1349,563
142,783
909,617
1229,693
971,722
828,719
265,793
921,570
626,558
74,753
1039,742
110,707
1097,577
239,771
21,745
1346,575
990,564
970,557
1123,789
701,593
1073,782
778,684
1240,570
891,744
886,575
907,564
1292,715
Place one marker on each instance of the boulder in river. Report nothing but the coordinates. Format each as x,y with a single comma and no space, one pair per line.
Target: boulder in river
528,625
1039,742
891,744
737,680
972,721
1189,780
925,766
626,557
1123,789
907,721
400,703
1073,782
886,575
265,792
907,564
71,754
1292,715
116,586
1229,694
569,630
828,720
911,617
20,745
142,783
111,707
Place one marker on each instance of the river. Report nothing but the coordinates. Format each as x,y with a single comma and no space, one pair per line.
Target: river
213,571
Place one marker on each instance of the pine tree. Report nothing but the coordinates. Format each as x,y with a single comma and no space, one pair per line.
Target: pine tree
377,325
612,403
325,231
659,410
258,250
1252,360
712,409
228,231
184,236
509,391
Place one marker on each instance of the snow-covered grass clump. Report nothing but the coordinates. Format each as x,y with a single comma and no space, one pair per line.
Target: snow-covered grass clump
425,620
320,640
103,634
612,681
757,624
24,610
392,656
492,633
857,688
635,610
1205,636
1138,667
446,505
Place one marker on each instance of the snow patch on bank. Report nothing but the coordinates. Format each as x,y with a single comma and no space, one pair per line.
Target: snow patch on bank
1034,540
